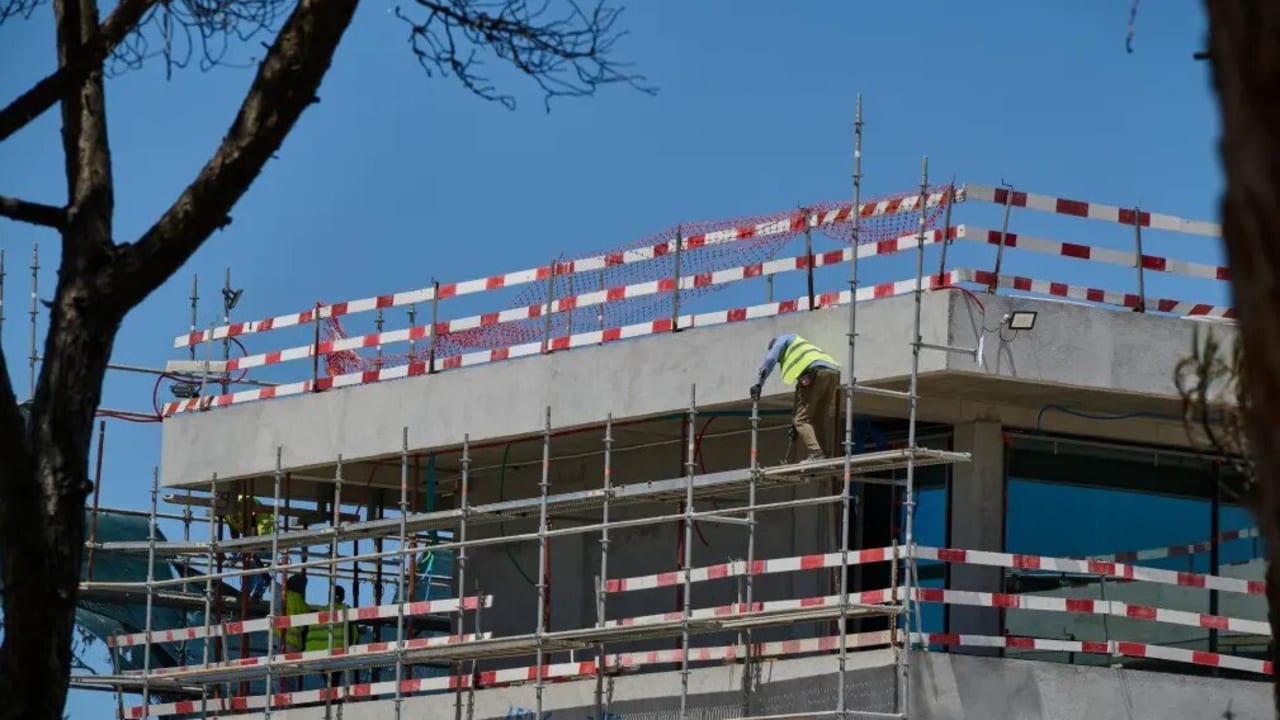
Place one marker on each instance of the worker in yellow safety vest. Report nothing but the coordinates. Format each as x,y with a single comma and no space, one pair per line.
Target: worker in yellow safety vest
816,376
247,517
332,635
294,638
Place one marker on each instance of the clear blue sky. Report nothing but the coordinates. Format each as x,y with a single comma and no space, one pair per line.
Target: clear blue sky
395,177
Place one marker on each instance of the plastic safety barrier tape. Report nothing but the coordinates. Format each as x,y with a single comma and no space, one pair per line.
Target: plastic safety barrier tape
1091,210
1171,551
373,612
1085,606
796,222
290,657
1101,647
563,342
1096,295
728,653
1012,561
587,299
1154,263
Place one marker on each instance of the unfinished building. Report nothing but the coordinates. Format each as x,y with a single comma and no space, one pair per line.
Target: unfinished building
570,504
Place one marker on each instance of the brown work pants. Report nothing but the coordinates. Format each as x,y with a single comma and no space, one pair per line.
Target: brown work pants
814,401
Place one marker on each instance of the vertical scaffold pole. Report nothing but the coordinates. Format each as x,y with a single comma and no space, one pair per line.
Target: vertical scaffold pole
846,484
208,588
97,493
464,503
2,291
747,638
543,487
226,320
675,286
276,477
602,582
405,563
336,524
690,467
151,578
195,318
909,501
432,340
1138,260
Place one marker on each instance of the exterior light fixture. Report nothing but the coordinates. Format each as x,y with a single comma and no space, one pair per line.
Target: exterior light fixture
1020,320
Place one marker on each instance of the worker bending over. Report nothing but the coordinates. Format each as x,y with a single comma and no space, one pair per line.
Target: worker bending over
816,376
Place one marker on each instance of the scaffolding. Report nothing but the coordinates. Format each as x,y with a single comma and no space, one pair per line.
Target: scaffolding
210,684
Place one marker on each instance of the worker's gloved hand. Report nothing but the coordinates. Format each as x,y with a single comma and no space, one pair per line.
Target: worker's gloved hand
755,391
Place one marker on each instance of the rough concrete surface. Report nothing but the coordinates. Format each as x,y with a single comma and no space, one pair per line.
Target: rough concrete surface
943,687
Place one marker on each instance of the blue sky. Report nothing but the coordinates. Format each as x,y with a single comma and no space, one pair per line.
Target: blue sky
395,178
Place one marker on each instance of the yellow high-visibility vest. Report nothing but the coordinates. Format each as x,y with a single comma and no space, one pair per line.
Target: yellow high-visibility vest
295,604
798,356
263,522
318,634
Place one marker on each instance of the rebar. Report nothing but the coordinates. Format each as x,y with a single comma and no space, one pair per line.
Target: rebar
543,487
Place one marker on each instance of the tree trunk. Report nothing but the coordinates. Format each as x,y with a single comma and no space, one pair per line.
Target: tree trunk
1244,45
41,562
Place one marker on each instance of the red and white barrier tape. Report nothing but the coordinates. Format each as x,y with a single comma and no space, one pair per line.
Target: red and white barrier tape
564,342
1013,561
717,317
1172,551
1085,606
290,657
1096,295
587,299
793,223
1101,647
1154,263
373,612
1093,211
728,653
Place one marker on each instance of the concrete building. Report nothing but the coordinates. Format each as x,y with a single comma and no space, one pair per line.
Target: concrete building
1073,554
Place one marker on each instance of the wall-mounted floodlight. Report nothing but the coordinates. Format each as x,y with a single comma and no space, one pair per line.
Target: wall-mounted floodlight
1020,320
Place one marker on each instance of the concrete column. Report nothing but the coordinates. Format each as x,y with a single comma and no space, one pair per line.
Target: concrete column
977,523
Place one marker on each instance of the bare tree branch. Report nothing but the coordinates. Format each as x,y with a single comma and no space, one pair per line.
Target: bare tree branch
284,87
567,56
32,212
46,93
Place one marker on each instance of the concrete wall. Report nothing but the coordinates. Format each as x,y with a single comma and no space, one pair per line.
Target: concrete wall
943,687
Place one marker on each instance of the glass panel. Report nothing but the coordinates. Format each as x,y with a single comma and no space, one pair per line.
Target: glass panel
1141,508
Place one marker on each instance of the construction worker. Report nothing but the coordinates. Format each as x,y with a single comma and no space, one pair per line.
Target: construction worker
294,639
247,517
816,376
340,634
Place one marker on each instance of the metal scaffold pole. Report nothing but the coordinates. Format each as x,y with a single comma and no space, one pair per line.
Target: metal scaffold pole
543,486
690,470
464,504
602,582
34,312
909,503
275,601
846,485
151,577
333,575
208,589
405,564
747,638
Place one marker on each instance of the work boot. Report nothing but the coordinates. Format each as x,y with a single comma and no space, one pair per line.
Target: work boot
815,457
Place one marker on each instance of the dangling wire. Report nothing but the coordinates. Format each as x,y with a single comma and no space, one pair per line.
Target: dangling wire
1133,16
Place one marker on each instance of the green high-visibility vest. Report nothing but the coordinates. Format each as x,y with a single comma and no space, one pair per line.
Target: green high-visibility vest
798,356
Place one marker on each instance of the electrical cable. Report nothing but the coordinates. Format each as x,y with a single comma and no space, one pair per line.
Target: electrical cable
1101,417
502,526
